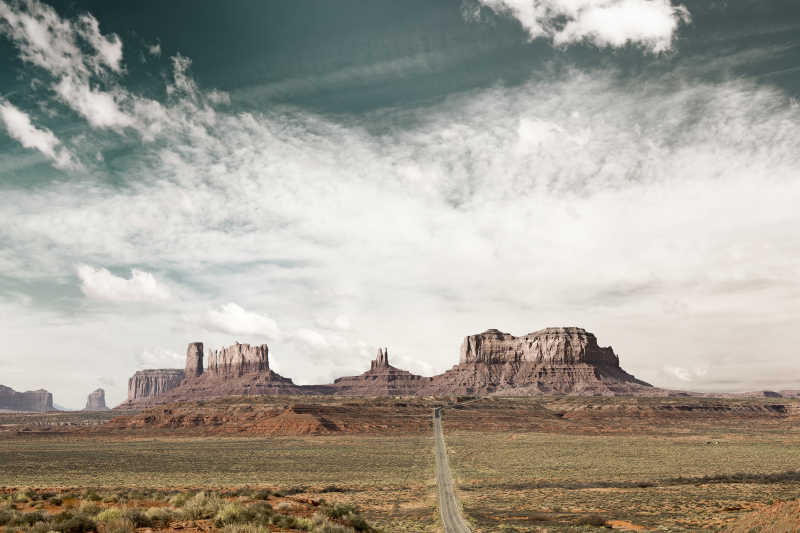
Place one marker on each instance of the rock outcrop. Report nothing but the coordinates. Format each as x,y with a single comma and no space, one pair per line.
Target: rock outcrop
550,361
194,359
240,369
382,379
147,385
238,360
36,401
564,360
96,401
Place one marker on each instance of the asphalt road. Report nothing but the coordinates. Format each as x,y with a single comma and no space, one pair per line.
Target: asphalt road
448,501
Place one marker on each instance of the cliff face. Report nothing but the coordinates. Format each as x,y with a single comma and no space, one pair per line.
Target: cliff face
38,400
560,346
550,361
382,379
194,359
239,369
564,360
96,401
145,385
238,360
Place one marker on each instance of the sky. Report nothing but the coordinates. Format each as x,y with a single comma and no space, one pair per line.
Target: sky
330,177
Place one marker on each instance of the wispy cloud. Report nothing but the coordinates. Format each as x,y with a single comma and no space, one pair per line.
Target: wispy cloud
630,208
651,24
19,126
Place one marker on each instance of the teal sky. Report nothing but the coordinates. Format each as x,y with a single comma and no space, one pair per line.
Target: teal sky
329,177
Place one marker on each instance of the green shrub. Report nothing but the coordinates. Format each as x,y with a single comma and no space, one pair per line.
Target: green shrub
332,488
92,496
89,507
592,520
201,506
284,521
180,499
244,528
7,516
320,524
119,526
55,500
109,515
159,516
357,522
136,517
261,512
262,494
337,510
78,523
26,519
232,513
39,527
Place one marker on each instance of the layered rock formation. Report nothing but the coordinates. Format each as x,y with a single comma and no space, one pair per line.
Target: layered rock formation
37,400
240,369
96,401
550,361
238,360
146,385
194,359
382,379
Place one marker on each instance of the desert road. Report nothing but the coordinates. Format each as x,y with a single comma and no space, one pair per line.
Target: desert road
452,519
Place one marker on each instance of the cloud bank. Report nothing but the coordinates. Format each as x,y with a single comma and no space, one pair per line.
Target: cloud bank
659,215
651,24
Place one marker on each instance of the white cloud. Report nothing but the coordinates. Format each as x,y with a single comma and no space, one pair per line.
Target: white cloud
235,320
101,284
87,81
108,48
661,215
651,24
99,108
19,126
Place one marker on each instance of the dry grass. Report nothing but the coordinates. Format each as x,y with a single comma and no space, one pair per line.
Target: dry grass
390,479
522,464
556,482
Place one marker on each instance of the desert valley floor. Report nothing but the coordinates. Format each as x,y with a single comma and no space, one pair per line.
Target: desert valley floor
520,464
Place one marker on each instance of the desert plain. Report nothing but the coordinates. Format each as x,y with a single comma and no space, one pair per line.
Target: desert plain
551,463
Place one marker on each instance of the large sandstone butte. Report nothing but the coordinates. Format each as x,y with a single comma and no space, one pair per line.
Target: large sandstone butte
147,385
549,361
36,400
240,369
96,401
382,379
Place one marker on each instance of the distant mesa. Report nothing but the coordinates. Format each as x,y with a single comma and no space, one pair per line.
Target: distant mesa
563,360
30,401
240,369
96,401
382,379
